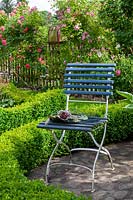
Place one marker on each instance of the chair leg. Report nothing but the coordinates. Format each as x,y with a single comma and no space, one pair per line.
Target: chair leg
109,157
58,142
97,155
104,149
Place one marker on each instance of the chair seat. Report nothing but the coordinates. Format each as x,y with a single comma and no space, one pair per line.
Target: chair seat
83,125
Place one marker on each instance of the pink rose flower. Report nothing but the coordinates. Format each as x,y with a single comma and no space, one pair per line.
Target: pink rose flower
65,62
26,30
76,27
40,59
21,18
2,12
84,35
68,10
2,28
27,66
118,72
4,43
19,21
39,50
43,62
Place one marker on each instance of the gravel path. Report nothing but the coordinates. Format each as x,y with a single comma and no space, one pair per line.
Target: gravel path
109,185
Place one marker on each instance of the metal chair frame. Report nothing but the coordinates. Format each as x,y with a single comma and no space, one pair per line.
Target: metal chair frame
72,89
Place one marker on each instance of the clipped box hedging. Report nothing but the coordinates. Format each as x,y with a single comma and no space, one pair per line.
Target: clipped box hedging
119,127
43,104
17,94
26,147
22,149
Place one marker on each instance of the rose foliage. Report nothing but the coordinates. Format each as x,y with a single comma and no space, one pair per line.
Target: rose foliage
22,36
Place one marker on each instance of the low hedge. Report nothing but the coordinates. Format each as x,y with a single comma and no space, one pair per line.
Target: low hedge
43,104
119,127
23,148
26,147
18,95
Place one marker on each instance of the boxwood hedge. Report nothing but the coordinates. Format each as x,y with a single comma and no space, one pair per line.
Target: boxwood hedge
26,147
17,94
20,149
42,104
119,128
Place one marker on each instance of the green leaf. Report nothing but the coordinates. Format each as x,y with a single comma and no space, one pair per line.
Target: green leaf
129,106
127,95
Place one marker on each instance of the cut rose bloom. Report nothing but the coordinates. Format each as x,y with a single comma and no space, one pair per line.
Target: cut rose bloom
64,114
4,43
118,72
27,66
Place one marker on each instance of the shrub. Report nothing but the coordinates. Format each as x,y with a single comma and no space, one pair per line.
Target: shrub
23,148
41,105
119,127
10,91
124,82
26,147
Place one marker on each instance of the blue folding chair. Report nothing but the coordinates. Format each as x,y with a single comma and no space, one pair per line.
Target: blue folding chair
91,79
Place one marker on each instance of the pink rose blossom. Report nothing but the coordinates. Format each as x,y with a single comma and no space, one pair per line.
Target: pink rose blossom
39,50
63,25
12,14
19,4
2,12
19,22
4,43
84,35
2,28
21,18
27,66
65,62
112,57
90,41
43,62
33,9
26,30
76,27
68,10
118,72
40,59
92,14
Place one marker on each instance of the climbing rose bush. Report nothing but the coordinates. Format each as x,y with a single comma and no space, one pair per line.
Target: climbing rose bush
79,25
20,35
22,42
